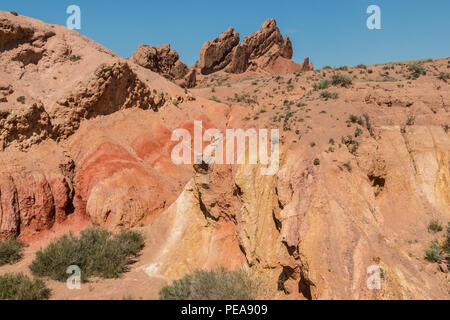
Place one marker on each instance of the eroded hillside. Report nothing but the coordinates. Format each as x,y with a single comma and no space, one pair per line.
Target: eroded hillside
364,162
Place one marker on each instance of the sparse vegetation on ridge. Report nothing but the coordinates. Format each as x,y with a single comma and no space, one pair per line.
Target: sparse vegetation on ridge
341,80
416,70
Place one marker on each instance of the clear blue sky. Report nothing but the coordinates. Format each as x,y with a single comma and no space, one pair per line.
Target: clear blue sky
331,32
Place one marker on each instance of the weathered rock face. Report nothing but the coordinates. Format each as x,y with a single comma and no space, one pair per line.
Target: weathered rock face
24,126
226,52
240,58
33,201
260,42
11,33
165,61
25,42
53,80
216,54
112,88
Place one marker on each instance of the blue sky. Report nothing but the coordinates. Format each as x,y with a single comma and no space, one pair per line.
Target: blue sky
331,32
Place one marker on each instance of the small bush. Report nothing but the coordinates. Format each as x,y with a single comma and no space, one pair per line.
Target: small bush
351,144
361,66
435,226
321,85
446,246
328,95
21,287
446,128
444,76
96,252
11,251
434,254
215,99
317,162
21,99
411,120
358,132
355,119
74,57
348,166
341,80
213,285
416,70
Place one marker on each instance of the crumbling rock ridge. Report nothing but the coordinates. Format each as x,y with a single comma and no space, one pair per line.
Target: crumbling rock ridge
261,49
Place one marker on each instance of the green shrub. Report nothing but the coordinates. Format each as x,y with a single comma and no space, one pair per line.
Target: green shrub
21,99
96,252
75,57
322,84
446,246
212,285
341,80
435,226
21,287
444,76
348,166
11,251
355,119
358,132
416,70
317,162
351,144
328,95
215,99
434,254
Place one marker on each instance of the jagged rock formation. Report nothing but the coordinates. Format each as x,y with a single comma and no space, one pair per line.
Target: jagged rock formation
165,61
307,66
216,54
226,51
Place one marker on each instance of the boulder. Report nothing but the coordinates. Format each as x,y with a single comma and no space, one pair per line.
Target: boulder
162,60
